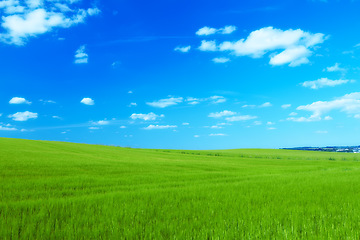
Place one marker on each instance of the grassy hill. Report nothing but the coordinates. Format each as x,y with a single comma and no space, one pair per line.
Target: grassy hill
57,190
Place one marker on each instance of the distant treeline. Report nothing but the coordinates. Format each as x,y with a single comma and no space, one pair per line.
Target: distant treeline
328,149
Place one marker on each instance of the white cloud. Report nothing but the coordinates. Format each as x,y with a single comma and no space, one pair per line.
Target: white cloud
87,101
208,46
94,128
293,114
270,123
101,122
122,127
151,127
296,45
222,114
23,116
27,19
81,56
47,101
162,103
182,49
257,123
248,106
217,134
324,82
240,118
206,31
221,60
267,104
271,128
335,68
216,99
132,104
7,128
130,92
185,124
57,117
146,117
327,118
19,100
349,103
196,136
285,106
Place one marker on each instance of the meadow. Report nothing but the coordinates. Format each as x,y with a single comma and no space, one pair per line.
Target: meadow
58,190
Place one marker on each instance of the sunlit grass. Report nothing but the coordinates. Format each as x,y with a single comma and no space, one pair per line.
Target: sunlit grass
53,190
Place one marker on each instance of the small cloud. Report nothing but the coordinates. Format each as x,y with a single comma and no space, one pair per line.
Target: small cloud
196,136
217,134
335,68
270,123
130,92
324,82
57,117
221,60
327,118
122,127
146,117
182,49
23,116
293,114
81,56
87,101
271,128
208,46
116,64
101,122
206,31
248,106
94,128
221,114
19,100
133,104
217,99
285,106
240,118
185,124
257,123
47,101
4,128
151,127
267,104
162,103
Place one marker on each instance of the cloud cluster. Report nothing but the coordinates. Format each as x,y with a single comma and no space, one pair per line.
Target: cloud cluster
324,82
81,56
171,101
206,31
23,116
151,127
233,118
349,103
22,20
146,117
221,114
295,46
166,102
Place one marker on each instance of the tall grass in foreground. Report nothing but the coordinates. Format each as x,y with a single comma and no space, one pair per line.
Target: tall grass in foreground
52,190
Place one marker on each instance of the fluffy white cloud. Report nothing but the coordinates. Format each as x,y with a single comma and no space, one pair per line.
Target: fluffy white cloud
87,101
151,127
285,106
162,103
23,116
349,103
240,118
222,114
335,68
208,46
25,19
324,82
216,99
19,100
146,117
296,45
182,49
205,31
221,60
81,56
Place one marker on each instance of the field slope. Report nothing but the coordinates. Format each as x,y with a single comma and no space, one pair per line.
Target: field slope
56,190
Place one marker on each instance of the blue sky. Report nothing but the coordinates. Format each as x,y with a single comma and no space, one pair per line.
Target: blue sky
181,74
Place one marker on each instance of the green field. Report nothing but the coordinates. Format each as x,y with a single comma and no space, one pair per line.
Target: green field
56,190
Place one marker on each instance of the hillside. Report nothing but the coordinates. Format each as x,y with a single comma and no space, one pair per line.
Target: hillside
58,190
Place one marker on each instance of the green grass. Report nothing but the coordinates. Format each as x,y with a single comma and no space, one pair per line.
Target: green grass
56,190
